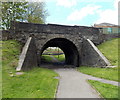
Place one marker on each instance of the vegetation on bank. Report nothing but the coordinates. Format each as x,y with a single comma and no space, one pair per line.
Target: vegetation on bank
106,90
46,58
110,50
106,73
54,52
60,58
36,83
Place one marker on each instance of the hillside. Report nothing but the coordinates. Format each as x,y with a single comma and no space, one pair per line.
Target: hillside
110,50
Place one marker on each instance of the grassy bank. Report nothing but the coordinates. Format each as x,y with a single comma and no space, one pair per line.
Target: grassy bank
106,90
110,50
60,58
46,58
36,83
106,73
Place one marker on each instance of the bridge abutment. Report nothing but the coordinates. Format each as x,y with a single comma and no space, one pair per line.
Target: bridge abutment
91,56
28,56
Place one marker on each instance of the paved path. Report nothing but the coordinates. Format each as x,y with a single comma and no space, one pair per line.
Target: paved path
91,77
73,84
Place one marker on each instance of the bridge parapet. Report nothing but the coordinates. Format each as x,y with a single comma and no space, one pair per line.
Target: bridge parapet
83,31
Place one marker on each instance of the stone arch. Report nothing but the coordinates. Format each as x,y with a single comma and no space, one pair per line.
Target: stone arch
67,46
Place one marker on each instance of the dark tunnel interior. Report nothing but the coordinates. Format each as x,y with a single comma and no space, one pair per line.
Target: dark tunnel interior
69,49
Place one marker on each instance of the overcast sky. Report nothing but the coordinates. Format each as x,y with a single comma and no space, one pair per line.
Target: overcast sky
82,12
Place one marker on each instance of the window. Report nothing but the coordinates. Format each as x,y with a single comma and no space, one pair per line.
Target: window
119,30
109,30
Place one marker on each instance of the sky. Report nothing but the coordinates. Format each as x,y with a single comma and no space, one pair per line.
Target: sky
82,12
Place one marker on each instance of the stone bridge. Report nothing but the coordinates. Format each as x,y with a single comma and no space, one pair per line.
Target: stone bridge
77,42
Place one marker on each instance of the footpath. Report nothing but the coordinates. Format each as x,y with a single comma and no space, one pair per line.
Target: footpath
73,84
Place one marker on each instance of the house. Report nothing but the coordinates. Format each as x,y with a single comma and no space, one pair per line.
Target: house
108,28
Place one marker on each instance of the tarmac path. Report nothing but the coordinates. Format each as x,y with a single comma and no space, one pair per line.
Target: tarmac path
73,84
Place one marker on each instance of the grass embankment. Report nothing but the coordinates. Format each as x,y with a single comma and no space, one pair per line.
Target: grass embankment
36,83
110,50
106,73
46,58
60,58
52,52
106,90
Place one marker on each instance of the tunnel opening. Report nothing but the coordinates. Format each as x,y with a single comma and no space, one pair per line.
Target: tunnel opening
53,55
68,47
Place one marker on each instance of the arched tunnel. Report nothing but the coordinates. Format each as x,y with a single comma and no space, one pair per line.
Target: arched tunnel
68,47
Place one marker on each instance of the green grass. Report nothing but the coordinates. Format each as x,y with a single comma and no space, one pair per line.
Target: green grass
36,83
106,73
60,58
106,90
110,50
47,58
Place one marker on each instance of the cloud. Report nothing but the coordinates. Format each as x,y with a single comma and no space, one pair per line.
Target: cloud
116,4
84,12
66,3
109,15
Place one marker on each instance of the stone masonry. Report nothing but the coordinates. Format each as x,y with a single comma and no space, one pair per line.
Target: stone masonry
71,39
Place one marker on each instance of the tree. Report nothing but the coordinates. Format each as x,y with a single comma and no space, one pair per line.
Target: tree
36,12
33,12
12,11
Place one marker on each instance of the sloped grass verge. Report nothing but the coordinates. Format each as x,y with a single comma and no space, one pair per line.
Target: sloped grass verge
46,58
110,50
36,83
106,90
60,58
106,73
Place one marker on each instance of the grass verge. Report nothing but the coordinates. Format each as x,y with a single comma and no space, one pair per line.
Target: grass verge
106,90
110,50
60,58
106,73
36,83
46,58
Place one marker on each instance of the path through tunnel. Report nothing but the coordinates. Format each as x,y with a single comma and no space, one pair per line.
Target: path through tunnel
53,55
69,49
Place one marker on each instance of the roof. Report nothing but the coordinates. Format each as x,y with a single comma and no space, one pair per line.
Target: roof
105,25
